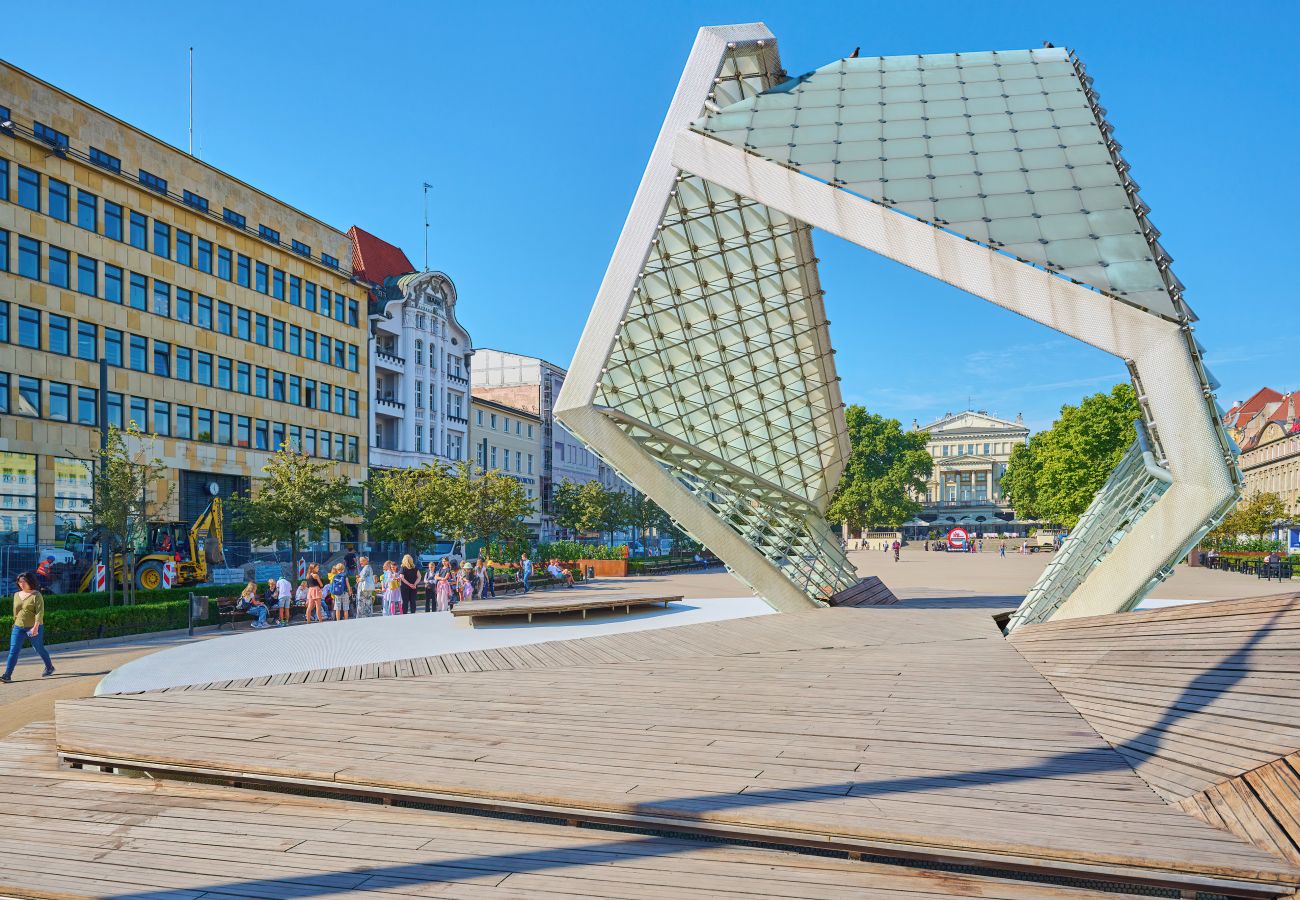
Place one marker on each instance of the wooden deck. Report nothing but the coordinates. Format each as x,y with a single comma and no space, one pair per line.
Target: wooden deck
890,731
568,602
80,834
870,591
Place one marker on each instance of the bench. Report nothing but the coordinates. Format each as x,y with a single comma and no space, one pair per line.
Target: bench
487,609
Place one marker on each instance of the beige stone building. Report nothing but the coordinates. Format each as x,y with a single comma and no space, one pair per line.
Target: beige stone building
509,439
228,323
1267,429
971,450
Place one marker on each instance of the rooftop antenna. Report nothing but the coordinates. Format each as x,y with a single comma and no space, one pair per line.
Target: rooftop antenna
191,101
426,225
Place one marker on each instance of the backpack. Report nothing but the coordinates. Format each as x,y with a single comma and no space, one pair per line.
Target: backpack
339,585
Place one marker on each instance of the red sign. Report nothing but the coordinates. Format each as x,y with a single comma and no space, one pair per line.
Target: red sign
957,539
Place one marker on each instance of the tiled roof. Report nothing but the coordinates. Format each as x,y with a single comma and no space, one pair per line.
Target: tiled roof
1242,411
374,259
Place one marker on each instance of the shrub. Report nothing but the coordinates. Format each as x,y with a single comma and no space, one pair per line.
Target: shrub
84,624
96,600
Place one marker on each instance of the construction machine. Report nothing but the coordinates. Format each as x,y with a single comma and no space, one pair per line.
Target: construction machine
193,548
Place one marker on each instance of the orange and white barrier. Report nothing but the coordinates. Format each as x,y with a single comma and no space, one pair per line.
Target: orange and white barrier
168,574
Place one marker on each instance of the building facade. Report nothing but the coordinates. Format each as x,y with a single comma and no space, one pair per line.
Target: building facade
970,450
227,321
532,384
1267,429
420,359
509,440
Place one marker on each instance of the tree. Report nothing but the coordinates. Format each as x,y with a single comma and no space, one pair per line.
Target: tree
401,504
615,511
1057,475
296,495
1253,516
644,515
496,504
578,507
121,507
885,473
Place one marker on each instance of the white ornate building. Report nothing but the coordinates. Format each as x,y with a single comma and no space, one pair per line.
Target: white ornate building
970,450
419,360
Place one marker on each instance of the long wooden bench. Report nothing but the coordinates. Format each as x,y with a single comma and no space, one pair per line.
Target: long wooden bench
518,607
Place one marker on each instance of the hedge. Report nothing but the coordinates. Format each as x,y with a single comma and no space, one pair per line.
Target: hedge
97,600
64,625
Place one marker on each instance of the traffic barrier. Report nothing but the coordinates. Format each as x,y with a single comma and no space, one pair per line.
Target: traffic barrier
168,574
302,568
101,577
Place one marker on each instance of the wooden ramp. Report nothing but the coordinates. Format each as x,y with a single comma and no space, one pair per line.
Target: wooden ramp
567,602
81,834
1202,700
934,741
870,591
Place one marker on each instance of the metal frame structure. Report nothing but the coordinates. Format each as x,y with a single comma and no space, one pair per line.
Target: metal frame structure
705,374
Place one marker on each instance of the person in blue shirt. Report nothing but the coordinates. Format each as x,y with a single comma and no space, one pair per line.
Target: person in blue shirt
525,570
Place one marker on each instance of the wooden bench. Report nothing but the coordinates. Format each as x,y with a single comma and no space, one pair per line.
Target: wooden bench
496,608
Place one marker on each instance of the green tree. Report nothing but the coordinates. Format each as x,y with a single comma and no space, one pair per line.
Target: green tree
1256,514
615,511
401,504
296,494
1057,475
644,516
127,474
885,473
578,507
496,504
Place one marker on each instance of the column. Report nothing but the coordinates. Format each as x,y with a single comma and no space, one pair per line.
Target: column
406,391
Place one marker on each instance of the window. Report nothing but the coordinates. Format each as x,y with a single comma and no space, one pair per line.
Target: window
224,323
112,221
60,331
140,413
139,358
184,422
295,340
204,261
269,233
352,404
493,419
4,250
419,438
353,450
323,397
113,409
301,248
295,290
87,341
340,308
330,261
339,395
29,396
29,328
184,248
243,378
112,283
352,357
184,364
324,349
50,135
261,284
277,435
479,418
295,390
87,210
242,270
223,373
353,313
203,367
195,200
494,457
139,291
60,408
309,442
419,353
59,263
107,160
261,434
162,359
530,462
150,180
113,346
87,276
324,302
223,263
309,345
29,188
419,394
87,406
139,231
277,386
60,199
162,418
309,393
309,297
243,324
203,425
243,427
277,335
259,329
4,179
277,284
184,305
162,298
29,258
223,428
340,354
204,319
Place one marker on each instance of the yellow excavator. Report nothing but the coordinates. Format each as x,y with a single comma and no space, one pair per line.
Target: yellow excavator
192,547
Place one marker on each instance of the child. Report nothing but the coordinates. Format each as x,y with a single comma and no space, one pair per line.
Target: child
315,591
340,591
392,590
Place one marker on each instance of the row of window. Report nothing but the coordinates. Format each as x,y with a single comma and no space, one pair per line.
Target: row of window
56,138
132,351
492,419
57,402
134,228
73,491
487,459
162,299
973,449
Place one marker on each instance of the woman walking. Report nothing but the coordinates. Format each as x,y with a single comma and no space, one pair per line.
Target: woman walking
410,577
314,588
29,624
429,586
365,589
442,587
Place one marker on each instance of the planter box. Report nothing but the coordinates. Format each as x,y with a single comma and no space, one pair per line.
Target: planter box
606,568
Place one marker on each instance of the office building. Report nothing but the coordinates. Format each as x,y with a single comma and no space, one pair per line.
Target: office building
228,323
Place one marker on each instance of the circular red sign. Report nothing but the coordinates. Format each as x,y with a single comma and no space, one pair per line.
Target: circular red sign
957,538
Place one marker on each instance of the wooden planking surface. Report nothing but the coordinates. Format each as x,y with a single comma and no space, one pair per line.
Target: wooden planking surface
950,742
72,833
1261,806
1191,695
529,605
870,591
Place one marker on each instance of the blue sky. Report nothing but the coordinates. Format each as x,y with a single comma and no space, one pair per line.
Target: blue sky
534,121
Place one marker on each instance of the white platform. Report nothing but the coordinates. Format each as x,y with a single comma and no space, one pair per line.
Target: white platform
300,648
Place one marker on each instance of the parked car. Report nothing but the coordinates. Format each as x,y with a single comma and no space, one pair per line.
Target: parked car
452,550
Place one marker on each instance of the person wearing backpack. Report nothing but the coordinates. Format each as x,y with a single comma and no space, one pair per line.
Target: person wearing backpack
341,591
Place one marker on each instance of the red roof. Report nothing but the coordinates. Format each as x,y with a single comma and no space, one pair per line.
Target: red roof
375,259
1241,412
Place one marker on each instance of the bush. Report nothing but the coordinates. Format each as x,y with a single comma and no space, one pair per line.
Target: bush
97,600
84,624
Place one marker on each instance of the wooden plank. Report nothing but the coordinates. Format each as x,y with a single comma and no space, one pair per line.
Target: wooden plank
548,605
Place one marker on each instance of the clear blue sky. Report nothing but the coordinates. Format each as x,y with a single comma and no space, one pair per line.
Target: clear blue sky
534,122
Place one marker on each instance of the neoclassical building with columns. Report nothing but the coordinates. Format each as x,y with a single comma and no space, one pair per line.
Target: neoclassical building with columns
971,450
